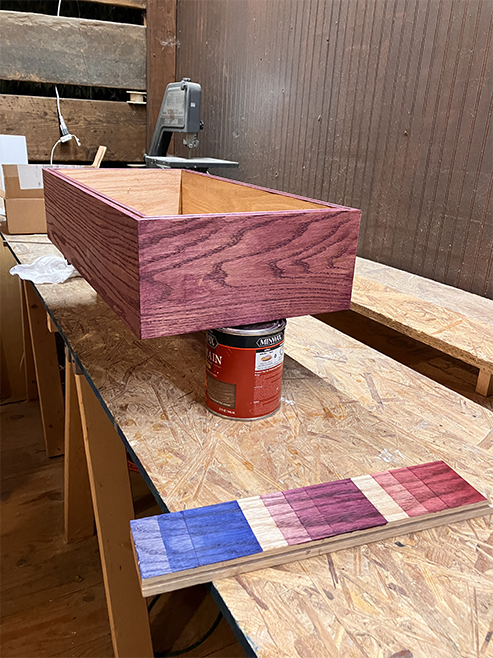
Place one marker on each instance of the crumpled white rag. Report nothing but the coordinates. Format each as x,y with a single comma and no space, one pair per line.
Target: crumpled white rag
46,269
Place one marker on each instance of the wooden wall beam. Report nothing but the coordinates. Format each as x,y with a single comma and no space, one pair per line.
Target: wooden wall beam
161,56
119,126
56,49
134,4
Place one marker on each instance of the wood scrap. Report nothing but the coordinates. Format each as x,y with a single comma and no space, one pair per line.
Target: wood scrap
199,545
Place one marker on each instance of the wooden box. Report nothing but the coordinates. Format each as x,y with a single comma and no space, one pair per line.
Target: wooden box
175,251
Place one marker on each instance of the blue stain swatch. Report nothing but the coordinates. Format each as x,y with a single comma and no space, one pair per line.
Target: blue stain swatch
152,557
179,548
220,532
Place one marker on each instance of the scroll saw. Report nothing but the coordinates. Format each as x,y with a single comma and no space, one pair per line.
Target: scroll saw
180,113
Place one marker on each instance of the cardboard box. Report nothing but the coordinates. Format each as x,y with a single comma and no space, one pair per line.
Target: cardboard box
24,198
13,150
174,251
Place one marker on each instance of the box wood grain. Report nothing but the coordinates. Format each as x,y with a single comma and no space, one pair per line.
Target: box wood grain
229,254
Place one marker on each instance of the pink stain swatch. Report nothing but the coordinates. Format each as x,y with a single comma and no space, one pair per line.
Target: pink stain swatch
400,494
285,518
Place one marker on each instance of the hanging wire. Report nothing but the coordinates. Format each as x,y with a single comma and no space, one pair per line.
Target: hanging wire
66,135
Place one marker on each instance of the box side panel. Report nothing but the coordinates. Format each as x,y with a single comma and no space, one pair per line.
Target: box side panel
148,191
99,239
210,194
226,270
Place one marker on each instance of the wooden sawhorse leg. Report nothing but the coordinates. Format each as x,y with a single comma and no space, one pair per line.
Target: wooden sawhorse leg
47,372
113,510
485,383
79,515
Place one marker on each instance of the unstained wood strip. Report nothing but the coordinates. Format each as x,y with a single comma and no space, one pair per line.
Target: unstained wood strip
184,548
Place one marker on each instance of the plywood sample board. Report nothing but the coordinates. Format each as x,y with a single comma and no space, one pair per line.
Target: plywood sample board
177,251
199,545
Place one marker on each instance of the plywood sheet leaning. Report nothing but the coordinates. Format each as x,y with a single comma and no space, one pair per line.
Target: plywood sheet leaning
200,545
177,251
450,320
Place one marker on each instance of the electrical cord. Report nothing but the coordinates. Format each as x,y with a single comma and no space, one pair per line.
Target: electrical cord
180,652
204,637
61,141
65,134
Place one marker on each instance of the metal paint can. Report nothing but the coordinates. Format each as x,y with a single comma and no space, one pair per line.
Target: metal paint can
244,370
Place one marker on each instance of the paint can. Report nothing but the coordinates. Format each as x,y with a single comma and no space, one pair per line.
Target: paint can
244,370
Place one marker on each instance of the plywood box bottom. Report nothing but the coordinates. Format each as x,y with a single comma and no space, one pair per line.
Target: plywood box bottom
175,251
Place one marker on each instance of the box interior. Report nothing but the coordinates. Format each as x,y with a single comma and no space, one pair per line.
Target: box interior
157,192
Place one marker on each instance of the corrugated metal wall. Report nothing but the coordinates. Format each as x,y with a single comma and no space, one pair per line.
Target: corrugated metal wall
384,105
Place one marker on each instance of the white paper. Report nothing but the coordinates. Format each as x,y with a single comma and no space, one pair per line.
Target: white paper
30,177
45,269
13,149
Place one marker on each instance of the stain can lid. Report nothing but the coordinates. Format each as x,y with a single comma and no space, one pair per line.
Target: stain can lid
259,329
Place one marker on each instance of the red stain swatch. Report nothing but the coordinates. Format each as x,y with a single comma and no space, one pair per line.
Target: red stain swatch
453,490
419,490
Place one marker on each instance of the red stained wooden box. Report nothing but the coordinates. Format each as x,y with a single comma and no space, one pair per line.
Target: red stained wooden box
175,251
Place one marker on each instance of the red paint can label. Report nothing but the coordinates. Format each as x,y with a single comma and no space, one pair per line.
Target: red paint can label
244,370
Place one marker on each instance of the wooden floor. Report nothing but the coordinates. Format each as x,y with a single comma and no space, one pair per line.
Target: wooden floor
52,597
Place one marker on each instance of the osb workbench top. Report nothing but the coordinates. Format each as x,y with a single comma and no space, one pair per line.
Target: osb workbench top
347,410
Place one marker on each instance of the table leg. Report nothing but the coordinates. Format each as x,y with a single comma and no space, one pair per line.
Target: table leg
31,385
79,515
113,509
47,372
485,383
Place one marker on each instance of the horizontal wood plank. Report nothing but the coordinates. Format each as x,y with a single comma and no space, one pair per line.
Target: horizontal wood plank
119,126
41,48
135,4
451,320
143,190
202,195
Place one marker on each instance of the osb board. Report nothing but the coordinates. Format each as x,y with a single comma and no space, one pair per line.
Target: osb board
347,410
451,320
